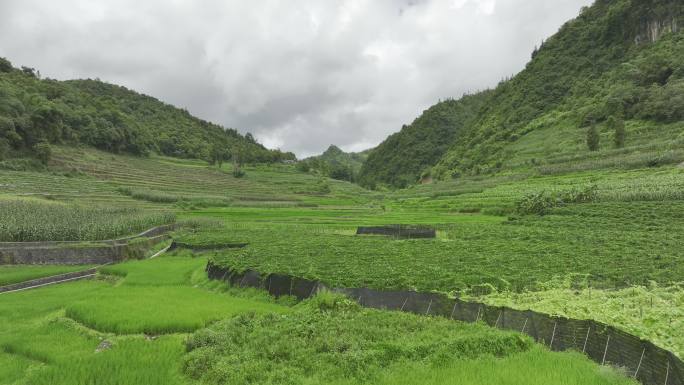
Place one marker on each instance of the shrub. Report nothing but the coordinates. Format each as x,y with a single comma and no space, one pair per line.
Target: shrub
43,152
541,203
593,138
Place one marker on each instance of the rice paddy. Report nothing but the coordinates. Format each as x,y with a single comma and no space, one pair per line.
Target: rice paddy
160,321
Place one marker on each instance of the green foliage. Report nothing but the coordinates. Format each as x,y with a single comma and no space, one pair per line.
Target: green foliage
10,274
651,312
5,65
132,310
534,367
606,62
402,157
331,338
617,125
542,202
111,118
4,149
43,152
335,163
593,138
22,221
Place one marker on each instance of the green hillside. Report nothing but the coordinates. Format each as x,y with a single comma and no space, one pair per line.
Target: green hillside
335,163
36,111
619,63
402,157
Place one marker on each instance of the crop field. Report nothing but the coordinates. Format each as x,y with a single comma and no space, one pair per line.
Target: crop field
131,325
651,312
26,221
615,244
617,255
10,274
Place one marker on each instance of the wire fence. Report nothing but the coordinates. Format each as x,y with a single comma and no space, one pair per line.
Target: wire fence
602,343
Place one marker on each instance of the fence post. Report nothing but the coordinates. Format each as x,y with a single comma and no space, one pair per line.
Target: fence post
553,335
605,351
525,324
404,304
586,339
428,309
667,373
640,359
496,324
453,310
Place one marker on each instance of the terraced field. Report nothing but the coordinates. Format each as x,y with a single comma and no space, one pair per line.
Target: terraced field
131,326
627,235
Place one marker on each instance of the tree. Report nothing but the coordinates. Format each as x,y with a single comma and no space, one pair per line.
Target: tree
593,138
617,125
5,65
217,155
238,156
43,152
4,148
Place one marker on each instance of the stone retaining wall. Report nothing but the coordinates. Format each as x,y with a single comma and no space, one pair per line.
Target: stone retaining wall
82,253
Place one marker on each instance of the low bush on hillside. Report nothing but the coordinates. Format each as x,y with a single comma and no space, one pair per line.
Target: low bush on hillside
542,202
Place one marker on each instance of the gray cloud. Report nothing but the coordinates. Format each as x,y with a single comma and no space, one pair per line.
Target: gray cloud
298,74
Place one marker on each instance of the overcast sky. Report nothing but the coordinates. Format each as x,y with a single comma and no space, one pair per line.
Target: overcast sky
297,74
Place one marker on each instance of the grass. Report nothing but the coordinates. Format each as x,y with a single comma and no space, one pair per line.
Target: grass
629,233
535,367
40,344
330,340
158,310
651,312
24,221
10,274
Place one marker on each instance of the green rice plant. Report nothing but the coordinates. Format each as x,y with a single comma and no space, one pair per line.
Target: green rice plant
127,361
10,274
22,221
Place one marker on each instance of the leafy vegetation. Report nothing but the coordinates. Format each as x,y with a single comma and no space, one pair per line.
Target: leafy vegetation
652,312
10,274
330,337
619,62
403,158
22,221
335,163
35,112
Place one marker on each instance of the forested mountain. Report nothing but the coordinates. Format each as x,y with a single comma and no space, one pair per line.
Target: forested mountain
619,63
36,111
403,156
335,163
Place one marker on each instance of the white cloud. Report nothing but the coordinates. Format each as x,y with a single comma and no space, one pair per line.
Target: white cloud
298,74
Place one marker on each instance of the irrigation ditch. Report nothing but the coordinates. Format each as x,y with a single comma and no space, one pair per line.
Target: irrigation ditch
82,253
604,344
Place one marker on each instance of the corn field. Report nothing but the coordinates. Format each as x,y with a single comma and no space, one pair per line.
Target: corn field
23,221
